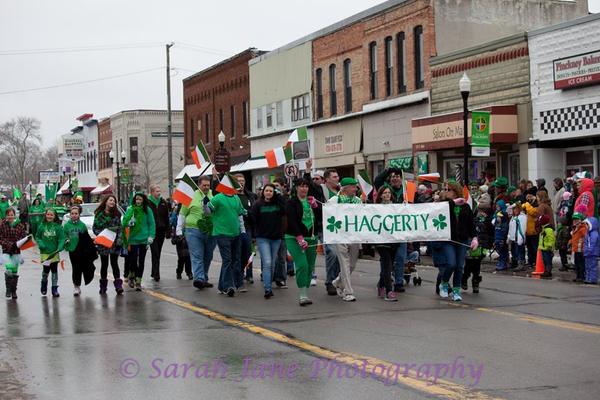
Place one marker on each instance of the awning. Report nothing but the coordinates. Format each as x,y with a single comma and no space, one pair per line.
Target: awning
248,165
193,171
101,189
64,189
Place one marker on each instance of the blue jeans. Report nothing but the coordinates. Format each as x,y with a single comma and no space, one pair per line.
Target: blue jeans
246,250
229,248
518,253
201,246
547,258
280,272
455,262
268,249
332,265
502,249
439,260
399,261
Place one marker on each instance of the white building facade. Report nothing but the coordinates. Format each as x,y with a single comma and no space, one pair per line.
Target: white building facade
565,91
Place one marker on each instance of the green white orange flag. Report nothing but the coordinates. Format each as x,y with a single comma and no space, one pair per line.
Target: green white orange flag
278,156
364,182
200,155
228,185
106,238
184,193
25,243
467,196
298,135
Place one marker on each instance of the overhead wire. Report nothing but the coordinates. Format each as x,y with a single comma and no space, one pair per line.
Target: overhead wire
78,49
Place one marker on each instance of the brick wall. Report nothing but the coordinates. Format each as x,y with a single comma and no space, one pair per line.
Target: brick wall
353,42
207,94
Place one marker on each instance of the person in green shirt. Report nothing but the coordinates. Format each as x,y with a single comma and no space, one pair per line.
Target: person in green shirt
197,227
50,239
140,221
227,212
73,228
36,214
4,204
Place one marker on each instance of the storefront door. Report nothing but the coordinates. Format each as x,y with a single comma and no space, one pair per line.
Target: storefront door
476,167
580,161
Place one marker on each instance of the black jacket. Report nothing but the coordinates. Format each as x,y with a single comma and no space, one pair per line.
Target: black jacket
462,228
267,218
294,225
87,253
161,215
316,191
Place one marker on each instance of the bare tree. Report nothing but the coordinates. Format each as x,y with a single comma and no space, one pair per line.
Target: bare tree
20,143
149,166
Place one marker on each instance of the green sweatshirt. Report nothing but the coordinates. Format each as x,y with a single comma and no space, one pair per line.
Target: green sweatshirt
72,231
143,227
547,238
50,238
226,211
3,207
194,214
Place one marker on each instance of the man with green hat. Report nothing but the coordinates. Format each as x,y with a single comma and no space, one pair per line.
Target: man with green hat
501,184
347,253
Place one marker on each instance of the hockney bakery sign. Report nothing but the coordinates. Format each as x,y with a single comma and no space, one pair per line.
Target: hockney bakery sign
575,71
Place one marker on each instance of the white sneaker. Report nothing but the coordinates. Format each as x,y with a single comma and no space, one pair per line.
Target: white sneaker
349,297
313,282
242,289
76,291
444,291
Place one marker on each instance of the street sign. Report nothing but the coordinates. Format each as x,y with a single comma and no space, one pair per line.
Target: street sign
291,170
480,134
222,162
49,176
124,178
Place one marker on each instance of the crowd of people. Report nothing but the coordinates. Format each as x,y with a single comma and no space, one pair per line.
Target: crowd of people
283,223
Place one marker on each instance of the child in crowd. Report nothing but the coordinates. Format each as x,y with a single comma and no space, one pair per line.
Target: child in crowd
500,235
591,251
11,231
577,240
563,237
516,237
184,260
485,232
546,243
50,239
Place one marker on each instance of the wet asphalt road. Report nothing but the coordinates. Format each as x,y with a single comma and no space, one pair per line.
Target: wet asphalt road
518,339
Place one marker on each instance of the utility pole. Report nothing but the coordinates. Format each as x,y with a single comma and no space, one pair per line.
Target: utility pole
169,127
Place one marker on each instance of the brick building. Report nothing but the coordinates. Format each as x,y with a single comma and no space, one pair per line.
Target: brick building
217,99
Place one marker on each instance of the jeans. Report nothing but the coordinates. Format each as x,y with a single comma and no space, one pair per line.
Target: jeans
332,265
268,249
502,249
201,246
517,253
399,261
280,272
155,250
229,248
531,242
547,257
246,251
386,263
439,260
455,257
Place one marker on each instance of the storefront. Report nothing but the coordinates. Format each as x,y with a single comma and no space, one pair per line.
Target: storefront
441,137
337,144
565,64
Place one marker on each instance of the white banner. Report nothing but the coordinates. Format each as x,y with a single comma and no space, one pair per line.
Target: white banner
381,223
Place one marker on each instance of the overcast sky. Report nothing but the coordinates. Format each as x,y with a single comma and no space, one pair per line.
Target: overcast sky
216,29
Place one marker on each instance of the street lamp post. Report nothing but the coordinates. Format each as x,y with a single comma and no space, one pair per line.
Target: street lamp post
111,155
30,183
465,88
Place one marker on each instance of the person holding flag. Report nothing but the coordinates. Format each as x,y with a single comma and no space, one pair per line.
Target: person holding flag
347,253
140,221
108,217
227,211
160,211
81,252
11,233
197,227
50,239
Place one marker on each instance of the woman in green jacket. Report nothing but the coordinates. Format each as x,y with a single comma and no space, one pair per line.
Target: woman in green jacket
50,239
36,214
140,222
73,229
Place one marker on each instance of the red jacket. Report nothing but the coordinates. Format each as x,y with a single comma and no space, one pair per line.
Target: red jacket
10,235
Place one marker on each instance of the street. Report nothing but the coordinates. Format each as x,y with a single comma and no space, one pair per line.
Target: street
519,338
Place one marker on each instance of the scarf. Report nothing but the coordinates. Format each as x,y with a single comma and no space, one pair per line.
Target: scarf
138,217
154,200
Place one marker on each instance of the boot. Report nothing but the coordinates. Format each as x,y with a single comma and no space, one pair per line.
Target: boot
55,291
8,280
464,282
44,287
103,286
131,280
476,280
13,291
119,286
138,284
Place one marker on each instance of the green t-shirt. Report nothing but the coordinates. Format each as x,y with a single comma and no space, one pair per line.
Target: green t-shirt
307,214
194,214
226,211
72,230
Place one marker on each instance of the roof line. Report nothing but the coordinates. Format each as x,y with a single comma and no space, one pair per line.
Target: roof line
563,25
228,60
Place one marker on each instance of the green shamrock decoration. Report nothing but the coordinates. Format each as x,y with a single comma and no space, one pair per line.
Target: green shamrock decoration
439,222
333,225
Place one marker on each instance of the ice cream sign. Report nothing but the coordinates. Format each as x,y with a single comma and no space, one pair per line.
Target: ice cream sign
580,70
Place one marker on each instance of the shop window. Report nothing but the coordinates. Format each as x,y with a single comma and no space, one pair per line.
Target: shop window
269,115
279,111
259,118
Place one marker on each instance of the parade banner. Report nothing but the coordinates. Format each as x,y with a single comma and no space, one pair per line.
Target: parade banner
385,223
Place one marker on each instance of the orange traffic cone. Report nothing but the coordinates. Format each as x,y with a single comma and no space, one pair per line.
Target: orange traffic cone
539,264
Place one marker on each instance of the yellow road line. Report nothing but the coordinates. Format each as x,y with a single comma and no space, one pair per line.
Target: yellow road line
442,388
575,326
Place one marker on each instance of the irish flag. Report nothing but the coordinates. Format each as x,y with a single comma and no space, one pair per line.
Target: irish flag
228,185
278,156
298,135
184,193
106,238
467,196
434,177
366,187
25,243
200,155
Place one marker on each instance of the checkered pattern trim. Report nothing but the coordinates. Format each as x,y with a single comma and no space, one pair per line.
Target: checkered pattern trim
569,119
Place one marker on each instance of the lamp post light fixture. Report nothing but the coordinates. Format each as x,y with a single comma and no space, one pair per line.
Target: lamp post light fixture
221,137
30,184
464,84
111,155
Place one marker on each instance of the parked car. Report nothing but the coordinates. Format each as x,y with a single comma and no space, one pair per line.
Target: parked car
87,216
